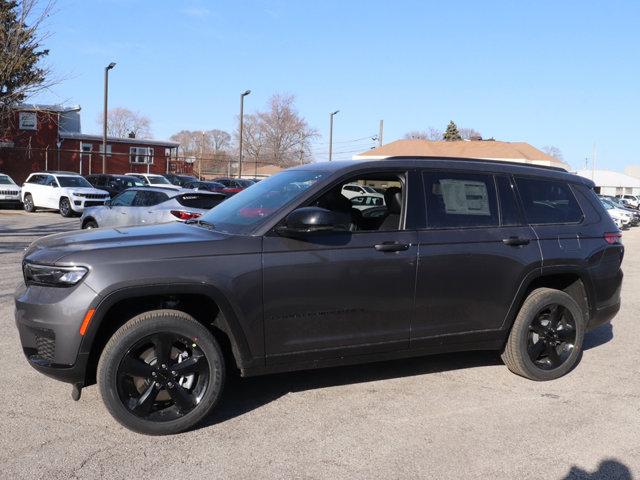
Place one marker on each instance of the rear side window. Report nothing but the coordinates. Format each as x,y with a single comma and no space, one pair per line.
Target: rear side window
205,202
148,198
548,201
458,200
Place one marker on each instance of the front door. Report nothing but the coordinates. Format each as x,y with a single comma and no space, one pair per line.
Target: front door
341,293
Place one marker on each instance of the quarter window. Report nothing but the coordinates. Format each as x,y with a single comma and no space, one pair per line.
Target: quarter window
459,200
548,201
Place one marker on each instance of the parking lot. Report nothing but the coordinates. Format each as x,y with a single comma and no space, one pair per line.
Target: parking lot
447,416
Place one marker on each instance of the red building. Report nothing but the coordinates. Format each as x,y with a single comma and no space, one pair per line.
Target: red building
48,137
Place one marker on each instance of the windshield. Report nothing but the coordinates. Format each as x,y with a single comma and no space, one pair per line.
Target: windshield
73,182
5,180
158,181
241,213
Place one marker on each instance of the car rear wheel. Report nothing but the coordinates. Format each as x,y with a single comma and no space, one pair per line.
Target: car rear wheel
65,208
161,373
546,339
89,224
28,203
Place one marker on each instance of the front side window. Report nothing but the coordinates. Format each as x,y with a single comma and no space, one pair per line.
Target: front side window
243,212
548,201
125,199
460,200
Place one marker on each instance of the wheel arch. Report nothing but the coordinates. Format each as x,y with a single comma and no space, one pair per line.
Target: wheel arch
569,279
205,303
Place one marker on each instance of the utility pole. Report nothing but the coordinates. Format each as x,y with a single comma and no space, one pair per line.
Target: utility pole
331,133
380,133
242,95
593,163
104,118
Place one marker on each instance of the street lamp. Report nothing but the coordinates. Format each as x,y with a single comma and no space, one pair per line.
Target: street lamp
331,133
104,119
242,95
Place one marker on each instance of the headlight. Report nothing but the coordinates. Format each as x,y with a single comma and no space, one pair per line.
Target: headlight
52,276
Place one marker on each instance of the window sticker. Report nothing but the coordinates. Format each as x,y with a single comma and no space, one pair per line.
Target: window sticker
465,197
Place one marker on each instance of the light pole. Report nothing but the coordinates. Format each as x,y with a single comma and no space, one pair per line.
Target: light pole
331,133
104,118
242,95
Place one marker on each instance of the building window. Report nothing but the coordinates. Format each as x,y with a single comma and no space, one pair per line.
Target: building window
101,150
28,120
143,155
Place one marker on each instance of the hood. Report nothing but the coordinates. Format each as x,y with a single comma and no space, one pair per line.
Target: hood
158,241
87,190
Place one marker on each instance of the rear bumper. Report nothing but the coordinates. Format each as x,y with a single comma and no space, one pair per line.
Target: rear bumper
603,315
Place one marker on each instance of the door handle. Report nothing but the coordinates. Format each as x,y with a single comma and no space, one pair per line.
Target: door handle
392,247
516,241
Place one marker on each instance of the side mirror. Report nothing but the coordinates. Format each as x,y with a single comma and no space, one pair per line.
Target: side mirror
308,220
107,203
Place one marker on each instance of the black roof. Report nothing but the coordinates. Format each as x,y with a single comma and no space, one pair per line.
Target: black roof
495,166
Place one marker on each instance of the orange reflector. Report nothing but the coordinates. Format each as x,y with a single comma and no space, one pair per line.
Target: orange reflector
87,319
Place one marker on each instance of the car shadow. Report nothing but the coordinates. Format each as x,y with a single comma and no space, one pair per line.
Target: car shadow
242,395
608,469
597,337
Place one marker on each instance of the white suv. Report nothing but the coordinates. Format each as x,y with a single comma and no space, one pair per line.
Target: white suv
9,191
632,200
67,192
351,190
155,180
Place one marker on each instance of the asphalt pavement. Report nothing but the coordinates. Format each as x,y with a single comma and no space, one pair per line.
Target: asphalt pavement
451,416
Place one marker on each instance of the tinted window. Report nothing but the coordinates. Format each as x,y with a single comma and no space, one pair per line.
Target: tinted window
456,200
199,201
548,201
49,181
509,210
148,199
125,199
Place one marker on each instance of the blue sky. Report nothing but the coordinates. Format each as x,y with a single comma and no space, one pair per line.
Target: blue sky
563,73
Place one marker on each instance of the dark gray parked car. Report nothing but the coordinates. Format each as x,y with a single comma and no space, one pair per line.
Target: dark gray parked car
286,275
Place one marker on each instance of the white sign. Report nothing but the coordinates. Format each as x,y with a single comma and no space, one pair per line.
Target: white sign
465,197
28,120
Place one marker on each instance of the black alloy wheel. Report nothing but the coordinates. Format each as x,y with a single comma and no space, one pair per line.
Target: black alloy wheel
161,373
163,377
552,336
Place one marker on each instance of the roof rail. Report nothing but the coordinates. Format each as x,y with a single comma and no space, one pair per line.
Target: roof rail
481,160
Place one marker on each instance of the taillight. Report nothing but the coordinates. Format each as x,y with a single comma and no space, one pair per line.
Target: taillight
182,215
613,237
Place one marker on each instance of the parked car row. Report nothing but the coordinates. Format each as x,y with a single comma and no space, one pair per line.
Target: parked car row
620,211
70,193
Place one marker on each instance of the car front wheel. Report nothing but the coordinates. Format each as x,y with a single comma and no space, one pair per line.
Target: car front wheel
28,203
65,208
89,224
546,339
161,373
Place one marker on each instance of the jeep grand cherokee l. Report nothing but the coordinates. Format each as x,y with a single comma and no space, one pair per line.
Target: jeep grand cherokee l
287,275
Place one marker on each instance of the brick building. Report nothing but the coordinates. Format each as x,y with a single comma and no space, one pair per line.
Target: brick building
49,137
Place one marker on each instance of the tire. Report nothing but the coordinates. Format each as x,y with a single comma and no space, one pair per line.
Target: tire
90,224
535,321
65,208
28,204
124,393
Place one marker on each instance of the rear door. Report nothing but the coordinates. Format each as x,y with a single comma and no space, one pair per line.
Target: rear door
146,207
473,256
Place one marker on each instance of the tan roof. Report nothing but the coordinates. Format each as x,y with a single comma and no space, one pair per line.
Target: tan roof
487,150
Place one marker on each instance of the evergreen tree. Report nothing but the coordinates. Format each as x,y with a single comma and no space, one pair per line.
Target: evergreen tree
21,73
451,134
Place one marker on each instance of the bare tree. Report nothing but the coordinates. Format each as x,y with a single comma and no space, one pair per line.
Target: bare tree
554,152
219,140
122,122
211,148
277,135
22,73
431,133
470,134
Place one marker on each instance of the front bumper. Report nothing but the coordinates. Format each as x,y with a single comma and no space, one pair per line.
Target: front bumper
48,321
78,204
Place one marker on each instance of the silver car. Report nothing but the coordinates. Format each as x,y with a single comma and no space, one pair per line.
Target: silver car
149,205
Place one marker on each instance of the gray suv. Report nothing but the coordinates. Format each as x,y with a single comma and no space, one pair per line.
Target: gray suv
288,275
